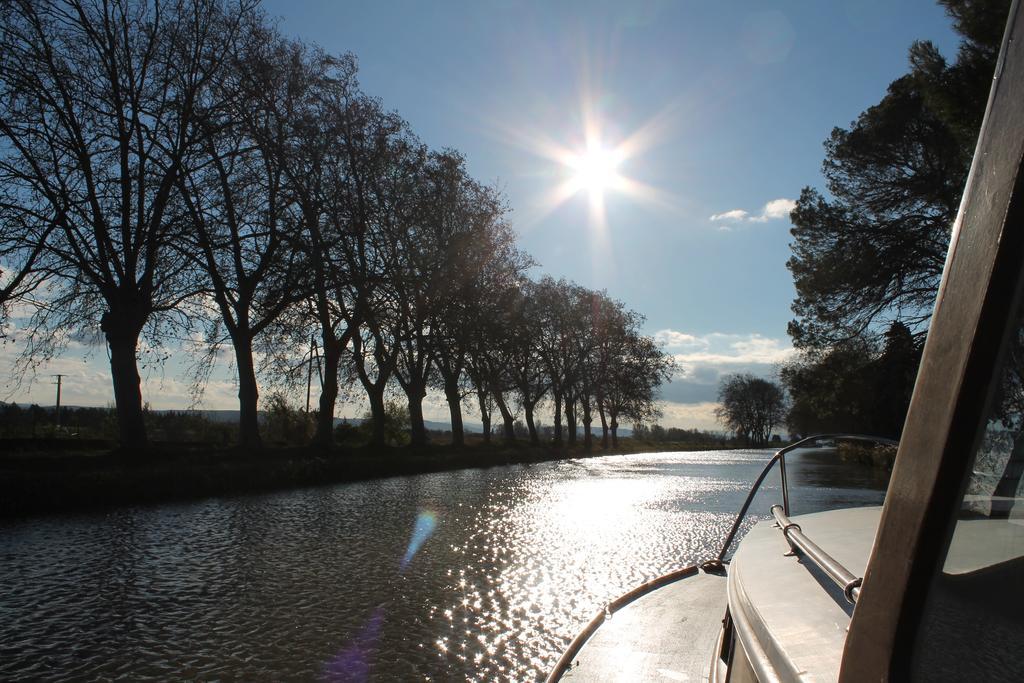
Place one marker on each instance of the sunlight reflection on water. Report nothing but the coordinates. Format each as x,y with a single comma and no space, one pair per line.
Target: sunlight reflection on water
472,575
561,548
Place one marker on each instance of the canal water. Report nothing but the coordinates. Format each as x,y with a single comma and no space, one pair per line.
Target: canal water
470,575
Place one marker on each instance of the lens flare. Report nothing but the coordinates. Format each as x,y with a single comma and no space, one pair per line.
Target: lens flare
353,663
426,522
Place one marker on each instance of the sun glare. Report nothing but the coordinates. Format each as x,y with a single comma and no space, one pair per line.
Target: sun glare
595,170
595,165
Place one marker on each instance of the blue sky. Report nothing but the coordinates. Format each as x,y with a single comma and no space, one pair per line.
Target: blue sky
732,101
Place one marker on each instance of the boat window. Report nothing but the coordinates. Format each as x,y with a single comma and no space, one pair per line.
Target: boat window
990,526
837,474
973,623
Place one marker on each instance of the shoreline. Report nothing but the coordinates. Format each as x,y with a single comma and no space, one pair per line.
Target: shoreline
70,478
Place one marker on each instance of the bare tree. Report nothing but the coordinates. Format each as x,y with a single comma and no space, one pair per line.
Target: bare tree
383,162
636,371
237,201
591,313
488,356
340,164
563,332
751,407
23,264
526,369
97,105
610,329
421,228
478,256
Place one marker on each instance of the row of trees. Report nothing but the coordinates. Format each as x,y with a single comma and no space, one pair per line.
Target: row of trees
868,255
175,167
577,349
678,435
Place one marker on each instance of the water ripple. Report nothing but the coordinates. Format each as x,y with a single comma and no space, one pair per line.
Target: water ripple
473,575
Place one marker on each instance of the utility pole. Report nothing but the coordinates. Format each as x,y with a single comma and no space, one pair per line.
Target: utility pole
314,350
59,378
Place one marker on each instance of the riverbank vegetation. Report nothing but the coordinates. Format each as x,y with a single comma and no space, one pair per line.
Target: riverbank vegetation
36,430
44,475
877,456
181,174
80,463
76,475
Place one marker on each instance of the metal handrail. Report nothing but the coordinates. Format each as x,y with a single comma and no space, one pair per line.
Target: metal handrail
825,562
780,457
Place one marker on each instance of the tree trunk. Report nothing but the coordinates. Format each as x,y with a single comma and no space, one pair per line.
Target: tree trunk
378,416
454,397
570,420
248,393
324,436
485,415
485,421
615,432
604,427
506,417
558,419
123,339
534,439
419,430
588,419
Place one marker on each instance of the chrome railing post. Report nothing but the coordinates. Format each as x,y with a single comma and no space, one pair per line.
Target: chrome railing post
743,510
785,485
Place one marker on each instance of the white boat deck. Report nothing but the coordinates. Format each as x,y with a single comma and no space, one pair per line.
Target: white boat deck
791,619
666,635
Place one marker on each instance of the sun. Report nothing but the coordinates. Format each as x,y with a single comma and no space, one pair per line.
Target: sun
595,169
595,165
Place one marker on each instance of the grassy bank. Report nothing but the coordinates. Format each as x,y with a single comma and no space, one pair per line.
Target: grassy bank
40,476
879,457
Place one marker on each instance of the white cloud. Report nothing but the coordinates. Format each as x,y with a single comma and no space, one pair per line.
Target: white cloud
689,415
774,210
733,215
725,349
779,208
689,399
674,339
758,349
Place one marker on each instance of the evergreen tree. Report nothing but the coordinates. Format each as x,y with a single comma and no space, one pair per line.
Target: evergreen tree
872,251
868,255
